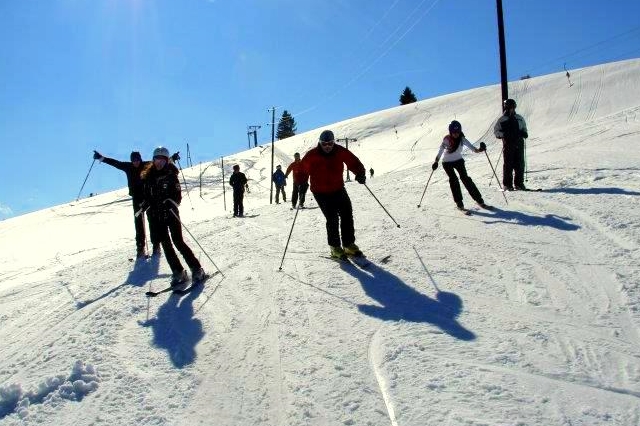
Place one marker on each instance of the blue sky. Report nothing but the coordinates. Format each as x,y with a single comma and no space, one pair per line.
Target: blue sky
122,75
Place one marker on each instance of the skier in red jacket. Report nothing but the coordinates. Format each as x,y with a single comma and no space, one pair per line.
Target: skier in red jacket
324,164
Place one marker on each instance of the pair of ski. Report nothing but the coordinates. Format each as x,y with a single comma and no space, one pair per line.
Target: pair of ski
467,212
181,291
359,261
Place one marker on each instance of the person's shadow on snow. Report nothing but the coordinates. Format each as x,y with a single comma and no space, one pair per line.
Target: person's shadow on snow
398,301
175,328
143,271
498,215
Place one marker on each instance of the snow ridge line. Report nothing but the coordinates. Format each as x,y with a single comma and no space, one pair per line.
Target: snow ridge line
382,382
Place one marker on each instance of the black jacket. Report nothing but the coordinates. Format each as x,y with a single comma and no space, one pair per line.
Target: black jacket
160,185
238,181
134,180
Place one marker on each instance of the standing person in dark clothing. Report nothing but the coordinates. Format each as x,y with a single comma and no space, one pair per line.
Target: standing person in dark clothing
452,161
280,181
512,129
324,164
371,172
238,182
133,169
163,193
300,182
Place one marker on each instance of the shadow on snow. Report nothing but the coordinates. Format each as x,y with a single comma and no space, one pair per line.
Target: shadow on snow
176,329
520,218
142,272
399,301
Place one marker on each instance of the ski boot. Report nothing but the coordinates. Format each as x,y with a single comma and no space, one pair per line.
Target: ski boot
337,253
353,250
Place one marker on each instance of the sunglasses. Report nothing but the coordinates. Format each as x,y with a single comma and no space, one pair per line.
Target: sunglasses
326,143
159,157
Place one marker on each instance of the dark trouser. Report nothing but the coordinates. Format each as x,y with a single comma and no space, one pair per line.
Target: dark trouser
279,189
238,206
513,164
336,207
450,168
171,224
140,228
299,190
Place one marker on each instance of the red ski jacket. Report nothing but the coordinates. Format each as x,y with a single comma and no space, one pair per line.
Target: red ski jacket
325,170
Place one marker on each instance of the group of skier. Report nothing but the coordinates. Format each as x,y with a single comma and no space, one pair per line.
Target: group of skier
155,188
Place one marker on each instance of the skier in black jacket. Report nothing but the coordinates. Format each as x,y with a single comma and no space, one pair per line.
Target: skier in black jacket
238,182
133,169
162,192
512,129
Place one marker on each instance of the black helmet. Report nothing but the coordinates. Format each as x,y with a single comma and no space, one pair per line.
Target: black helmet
135,156
327,136
236,167
455,126
509,103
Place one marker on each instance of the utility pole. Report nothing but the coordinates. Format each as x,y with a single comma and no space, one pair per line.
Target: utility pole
189,156
503,56
254,130
346,145
273,140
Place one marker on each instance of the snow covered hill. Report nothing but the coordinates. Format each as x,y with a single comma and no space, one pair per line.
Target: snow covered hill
526,315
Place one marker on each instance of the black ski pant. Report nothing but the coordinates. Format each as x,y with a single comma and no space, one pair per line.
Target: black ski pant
238,206
171,224
337,210
450,168
280,189
299,192
513,166
138,222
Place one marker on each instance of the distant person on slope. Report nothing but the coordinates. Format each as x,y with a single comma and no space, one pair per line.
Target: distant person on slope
324,164
300,181
452,161
512,129
133,169
162,191
238,182
280,181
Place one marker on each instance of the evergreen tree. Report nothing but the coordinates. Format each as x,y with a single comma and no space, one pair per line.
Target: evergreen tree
286,126
407,97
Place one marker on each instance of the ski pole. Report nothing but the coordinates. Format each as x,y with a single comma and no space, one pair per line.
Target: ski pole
85,179
526,169
425,188
497,163
290,232
498,180
185,181
194,238
385,210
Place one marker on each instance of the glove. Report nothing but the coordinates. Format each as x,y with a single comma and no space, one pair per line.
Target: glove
176,157
483,147
524,134
434,165
96,155
361,178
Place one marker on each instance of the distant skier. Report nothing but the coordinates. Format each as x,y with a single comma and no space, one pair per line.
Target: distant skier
512,129
324,164
371,172
452,161
133,169
280,181
238,182
300,181
162,192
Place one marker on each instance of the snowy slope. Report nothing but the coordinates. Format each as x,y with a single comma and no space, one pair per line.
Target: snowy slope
528,315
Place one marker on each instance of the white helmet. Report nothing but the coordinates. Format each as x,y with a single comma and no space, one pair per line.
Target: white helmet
161,152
